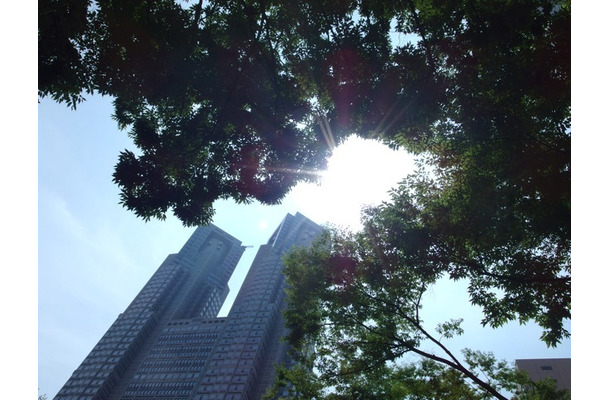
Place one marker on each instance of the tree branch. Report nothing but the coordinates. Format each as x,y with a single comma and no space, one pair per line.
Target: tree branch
454,363
463,370
420,29
197,14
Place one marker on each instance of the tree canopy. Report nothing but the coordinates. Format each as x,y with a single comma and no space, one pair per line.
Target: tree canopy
243,99
353,310
421,380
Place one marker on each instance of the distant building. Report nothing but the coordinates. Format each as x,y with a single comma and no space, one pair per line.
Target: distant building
559,369
169,344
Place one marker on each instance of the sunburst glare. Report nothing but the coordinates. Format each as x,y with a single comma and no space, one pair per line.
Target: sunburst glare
360,172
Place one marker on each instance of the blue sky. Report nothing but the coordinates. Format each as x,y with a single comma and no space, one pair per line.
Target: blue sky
94,256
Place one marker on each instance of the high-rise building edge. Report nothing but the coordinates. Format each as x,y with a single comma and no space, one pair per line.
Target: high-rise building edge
169,344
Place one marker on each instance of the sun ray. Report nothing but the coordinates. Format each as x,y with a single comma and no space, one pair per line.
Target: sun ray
326,131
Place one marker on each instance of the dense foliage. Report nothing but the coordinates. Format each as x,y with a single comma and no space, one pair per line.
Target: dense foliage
354,318
422,380
243,99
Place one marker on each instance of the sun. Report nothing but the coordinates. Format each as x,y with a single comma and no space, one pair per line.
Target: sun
360,172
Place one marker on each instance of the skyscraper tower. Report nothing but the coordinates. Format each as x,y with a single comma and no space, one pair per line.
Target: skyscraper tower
169,344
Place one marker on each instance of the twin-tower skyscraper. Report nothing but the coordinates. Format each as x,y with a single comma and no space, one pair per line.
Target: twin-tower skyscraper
169,344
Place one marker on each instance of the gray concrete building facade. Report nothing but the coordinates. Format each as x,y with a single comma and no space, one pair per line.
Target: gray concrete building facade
169,344
559,369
